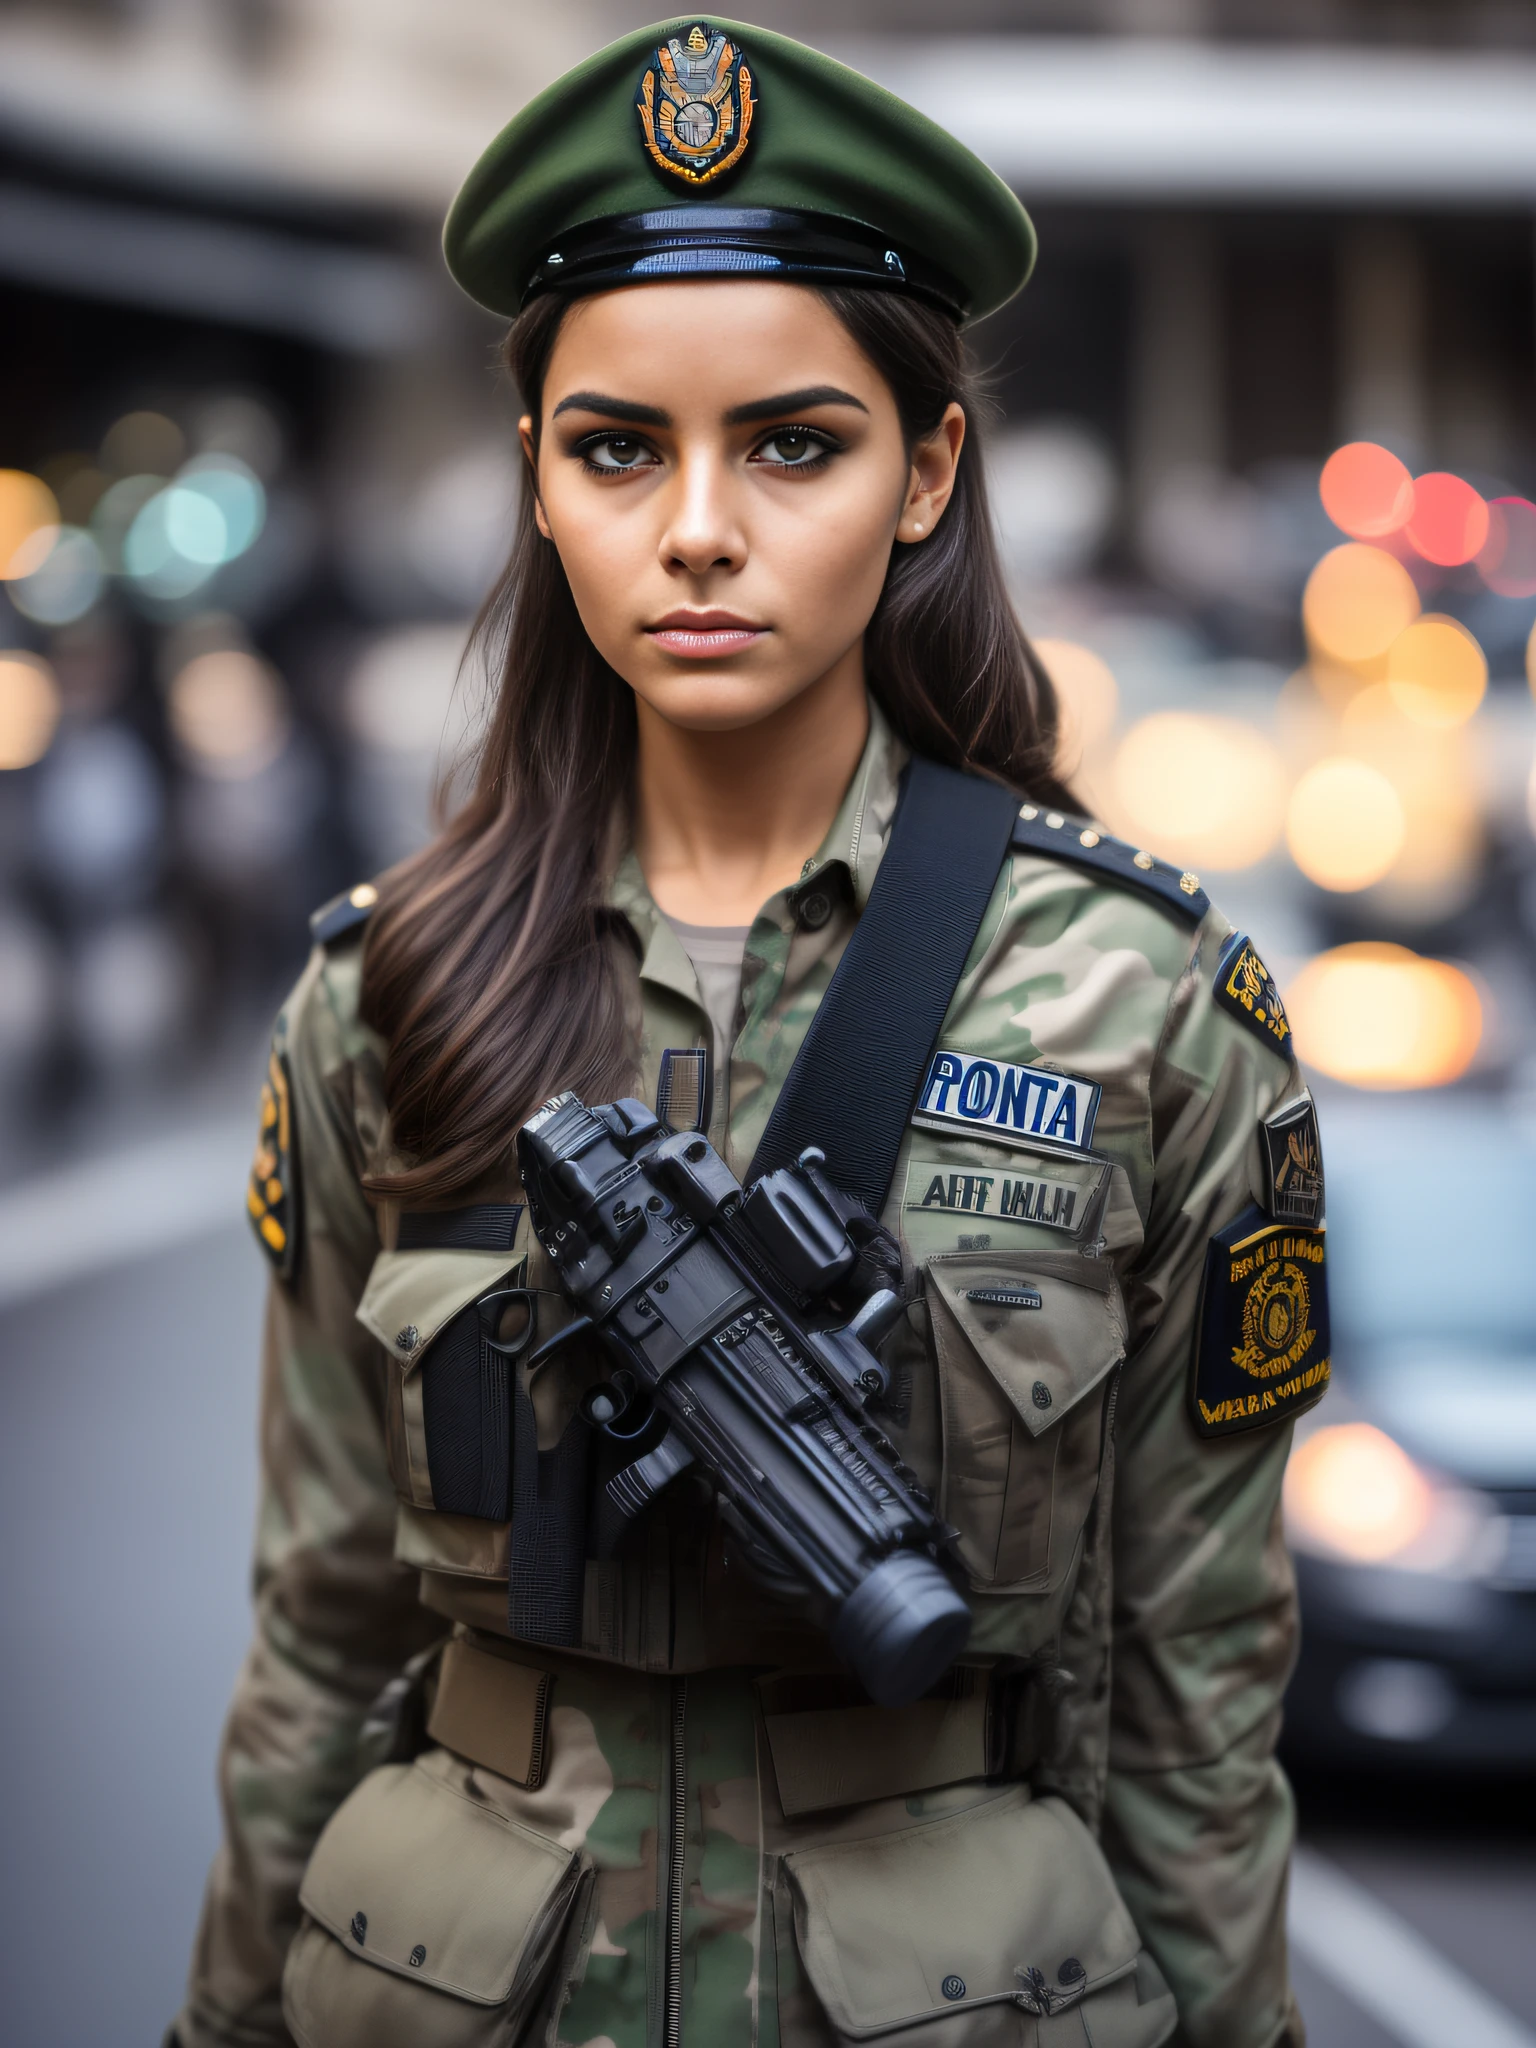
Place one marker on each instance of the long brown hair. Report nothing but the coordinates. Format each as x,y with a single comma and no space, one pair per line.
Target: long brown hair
493,969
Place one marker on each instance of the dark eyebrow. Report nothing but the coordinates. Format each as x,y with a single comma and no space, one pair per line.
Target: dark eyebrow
614,409
791,401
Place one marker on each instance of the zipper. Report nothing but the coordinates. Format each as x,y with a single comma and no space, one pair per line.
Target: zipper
672,1982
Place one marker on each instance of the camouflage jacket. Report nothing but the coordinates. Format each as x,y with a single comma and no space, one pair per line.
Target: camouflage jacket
700,1768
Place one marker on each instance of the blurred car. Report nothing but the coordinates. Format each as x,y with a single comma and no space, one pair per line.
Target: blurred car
1410,1498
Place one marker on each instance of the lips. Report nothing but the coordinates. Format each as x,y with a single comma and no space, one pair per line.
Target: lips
698,634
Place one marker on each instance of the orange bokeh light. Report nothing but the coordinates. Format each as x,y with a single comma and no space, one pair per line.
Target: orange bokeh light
1366,490
1450,521
1379,1016
1358,599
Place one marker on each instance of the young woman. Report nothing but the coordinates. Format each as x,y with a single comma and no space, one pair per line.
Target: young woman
753,580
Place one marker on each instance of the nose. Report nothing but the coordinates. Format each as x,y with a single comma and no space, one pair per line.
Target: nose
703,528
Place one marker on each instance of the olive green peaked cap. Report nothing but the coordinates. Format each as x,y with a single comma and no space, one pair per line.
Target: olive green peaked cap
703,147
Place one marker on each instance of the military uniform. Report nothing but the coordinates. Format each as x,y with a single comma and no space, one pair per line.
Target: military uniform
694,1828
1135,1617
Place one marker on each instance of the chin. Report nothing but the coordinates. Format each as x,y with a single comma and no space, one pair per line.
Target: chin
715,700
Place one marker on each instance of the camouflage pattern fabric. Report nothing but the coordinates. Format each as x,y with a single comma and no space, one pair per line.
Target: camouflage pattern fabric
1128,1574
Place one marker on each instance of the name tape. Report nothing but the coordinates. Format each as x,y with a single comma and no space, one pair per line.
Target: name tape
1011,1105
936,1187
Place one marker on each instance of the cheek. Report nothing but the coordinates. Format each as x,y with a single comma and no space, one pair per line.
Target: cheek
830,551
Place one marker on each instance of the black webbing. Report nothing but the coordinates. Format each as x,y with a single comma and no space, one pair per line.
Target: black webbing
857,1074
483,1227
546,1569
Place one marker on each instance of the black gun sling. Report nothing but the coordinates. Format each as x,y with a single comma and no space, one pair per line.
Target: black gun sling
855,1079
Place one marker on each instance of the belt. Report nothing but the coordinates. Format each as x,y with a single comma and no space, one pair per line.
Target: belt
829,1747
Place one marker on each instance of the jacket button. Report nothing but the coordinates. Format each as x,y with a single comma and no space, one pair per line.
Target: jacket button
407,1339
1040,1394
359,1928
1071,1971
815,909
418,1956
953,1987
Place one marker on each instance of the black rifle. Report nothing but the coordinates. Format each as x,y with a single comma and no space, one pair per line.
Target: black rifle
725,1312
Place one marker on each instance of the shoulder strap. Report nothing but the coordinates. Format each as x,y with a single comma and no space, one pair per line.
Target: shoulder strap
1081,843
857,1074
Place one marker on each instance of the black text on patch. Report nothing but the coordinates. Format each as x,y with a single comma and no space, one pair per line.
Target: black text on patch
1263,1349
1246,988
936,1188
1009,1104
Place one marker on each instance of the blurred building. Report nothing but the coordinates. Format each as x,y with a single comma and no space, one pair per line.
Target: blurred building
276,475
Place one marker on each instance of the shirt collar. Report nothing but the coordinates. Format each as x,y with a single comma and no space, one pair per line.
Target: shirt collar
852,850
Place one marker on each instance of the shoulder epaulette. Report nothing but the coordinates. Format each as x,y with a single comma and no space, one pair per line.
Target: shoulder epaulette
344,913
1079,841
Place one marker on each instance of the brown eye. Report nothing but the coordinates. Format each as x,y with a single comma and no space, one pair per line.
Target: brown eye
792,448
616,452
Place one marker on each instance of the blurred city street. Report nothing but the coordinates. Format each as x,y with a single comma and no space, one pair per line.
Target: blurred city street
1264,467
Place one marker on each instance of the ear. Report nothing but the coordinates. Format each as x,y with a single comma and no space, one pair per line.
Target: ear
931,484
531,457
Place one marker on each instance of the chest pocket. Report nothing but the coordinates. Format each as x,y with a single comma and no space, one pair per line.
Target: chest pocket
447,1419
1026,1343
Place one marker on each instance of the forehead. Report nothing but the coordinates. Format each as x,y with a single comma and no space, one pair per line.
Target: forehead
706,345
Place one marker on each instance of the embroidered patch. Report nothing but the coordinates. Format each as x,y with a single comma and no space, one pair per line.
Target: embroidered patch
1245,986
1007,1104
1262,1353
1293,1159
272,1194
1058,1199
695,105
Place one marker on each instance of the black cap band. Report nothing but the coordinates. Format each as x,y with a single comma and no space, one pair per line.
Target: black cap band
679,242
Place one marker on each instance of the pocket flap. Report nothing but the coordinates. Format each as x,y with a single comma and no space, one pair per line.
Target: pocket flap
415,1293
1048,1326
411,1876
1010,1900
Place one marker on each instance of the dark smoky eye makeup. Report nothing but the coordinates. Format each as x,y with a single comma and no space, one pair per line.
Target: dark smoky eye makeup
799,448
613,452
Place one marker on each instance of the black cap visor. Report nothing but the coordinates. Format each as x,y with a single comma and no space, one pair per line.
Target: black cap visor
678,242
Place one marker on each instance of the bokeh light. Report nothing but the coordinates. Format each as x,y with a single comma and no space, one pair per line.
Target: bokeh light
1087,695
142,441
1202,790
1351,1490
67,584
1436,671
1358,599
1450,522
1366,491
1345,824
1507,559
228,713
1432,770
29,709
29,523
1380,1016
235,490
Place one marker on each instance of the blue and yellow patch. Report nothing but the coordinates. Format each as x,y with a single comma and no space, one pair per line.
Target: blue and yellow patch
272,1195
695,105
1245,987
1262,1353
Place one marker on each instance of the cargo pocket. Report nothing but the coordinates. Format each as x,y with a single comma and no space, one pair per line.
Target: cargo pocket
428,1917
1026,1344
996,1927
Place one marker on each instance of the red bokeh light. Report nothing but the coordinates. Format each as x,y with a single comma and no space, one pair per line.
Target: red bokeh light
1507,559
1450,521
1366,491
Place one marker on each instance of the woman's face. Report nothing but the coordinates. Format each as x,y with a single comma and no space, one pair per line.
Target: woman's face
723,472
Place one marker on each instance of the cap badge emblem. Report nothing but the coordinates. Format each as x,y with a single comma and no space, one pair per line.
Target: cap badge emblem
695,105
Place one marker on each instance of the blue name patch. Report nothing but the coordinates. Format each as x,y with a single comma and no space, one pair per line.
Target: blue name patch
1009,1104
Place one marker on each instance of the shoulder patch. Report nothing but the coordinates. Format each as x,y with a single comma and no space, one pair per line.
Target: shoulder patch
1245,987
272,1195
1293,1162
1083,844
333,920
1262,1353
